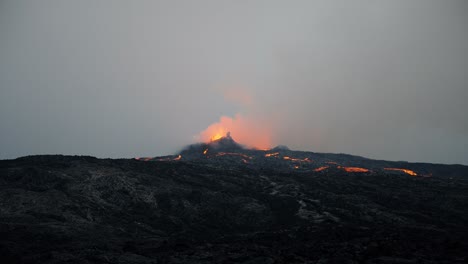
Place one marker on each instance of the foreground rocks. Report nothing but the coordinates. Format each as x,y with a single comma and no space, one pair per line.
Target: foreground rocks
64,209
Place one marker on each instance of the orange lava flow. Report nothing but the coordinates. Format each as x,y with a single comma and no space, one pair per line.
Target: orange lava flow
272,154
353,169
294,159
205,151
321,168
178,157
410,172
245,130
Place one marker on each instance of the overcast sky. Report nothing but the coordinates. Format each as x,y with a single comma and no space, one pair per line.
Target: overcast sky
381,79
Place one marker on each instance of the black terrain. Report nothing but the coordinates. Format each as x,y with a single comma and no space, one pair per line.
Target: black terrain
222,203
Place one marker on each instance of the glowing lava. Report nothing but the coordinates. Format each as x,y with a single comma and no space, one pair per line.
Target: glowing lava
178,157
353,169
410,172
295,159
272,154
216,136
321,168
205,151
246,131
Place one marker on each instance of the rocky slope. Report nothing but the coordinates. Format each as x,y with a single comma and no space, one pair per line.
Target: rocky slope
215,208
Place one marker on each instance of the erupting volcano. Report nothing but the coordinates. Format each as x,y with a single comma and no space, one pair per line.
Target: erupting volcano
219,147
246,131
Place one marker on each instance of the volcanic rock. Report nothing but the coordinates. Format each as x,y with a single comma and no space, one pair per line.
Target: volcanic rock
231,205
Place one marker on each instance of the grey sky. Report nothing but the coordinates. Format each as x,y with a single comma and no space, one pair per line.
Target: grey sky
382,79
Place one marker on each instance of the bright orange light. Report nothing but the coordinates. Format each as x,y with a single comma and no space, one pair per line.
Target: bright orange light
410,172
205,151
353,169
246,131
272,154
216,136
178,157
295,159
321,168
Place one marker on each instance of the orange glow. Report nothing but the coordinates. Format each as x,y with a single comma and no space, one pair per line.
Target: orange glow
321,168
272,154
216,136
178,157
246,131
294,159
410,172
353,169
296,167
205,151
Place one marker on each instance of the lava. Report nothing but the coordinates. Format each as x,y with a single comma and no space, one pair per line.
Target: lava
216,136
321,168
295,159
410,172
178,157
246,131
272,154
205,151
353,169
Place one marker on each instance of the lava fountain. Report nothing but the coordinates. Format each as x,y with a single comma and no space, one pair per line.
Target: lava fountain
248,132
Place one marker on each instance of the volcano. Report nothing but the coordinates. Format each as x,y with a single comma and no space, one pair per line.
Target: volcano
222,202
226,151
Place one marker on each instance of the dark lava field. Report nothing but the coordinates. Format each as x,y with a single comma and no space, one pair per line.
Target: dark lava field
221,203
